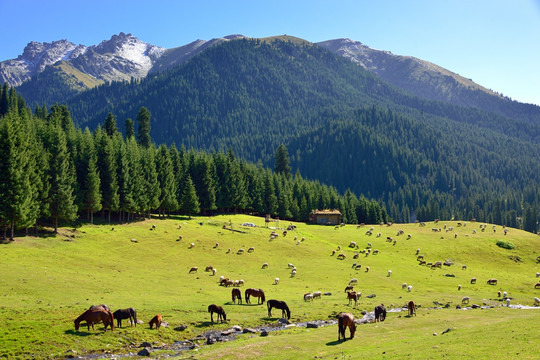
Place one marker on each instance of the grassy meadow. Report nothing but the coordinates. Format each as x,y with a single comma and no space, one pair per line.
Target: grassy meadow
48,281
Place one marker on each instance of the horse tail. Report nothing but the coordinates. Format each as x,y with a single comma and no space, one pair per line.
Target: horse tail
288,312
111,319
262,297
340,326
246,294
134,314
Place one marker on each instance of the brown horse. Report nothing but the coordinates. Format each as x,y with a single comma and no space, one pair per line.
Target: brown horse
258,293
155,320
95,316
412,308
236,294
220,312
344,320
122,314
99,307
380,313
353,295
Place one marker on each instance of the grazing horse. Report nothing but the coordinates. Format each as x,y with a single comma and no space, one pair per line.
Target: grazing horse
99,307
278,304
220,312
353,295
412,308
344,320
258,293
236,294
380,313
155,320
128,313
95,316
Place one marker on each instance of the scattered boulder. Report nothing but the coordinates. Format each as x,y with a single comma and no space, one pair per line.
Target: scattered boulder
180,328
228,332
312,325
249,330
237,328
264,333
327,294
144,352
475,306
371,296
283,321
448,263
210,341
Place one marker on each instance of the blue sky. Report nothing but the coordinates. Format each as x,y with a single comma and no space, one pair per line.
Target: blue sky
494,42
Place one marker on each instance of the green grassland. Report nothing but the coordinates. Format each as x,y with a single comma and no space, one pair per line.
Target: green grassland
47,282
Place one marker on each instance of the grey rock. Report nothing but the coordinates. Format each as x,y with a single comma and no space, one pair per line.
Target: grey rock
371,296
249,330
312,325
237,328
180,328
264,333
283,321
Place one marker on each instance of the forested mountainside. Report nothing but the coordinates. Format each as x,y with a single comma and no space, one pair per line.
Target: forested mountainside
342,124
52,171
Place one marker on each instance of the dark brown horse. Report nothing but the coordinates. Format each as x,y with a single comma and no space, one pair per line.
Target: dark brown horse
220,312
258,293
412,308
156,320
344,320
278,304
380,313
236,294
128,313
95,316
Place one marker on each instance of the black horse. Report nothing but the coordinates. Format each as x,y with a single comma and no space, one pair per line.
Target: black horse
128,313
380,313
278,304
219,310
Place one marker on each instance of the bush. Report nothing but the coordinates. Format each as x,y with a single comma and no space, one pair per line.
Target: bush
506,245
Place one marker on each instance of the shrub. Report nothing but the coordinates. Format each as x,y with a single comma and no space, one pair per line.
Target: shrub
506,245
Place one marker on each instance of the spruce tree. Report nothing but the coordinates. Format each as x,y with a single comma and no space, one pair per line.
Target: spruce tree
143,130
281,165
167,183
110,125
190,202
130,128
107,168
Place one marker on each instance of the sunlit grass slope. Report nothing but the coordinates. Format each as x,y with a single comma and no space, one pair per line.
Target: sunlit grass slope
47,282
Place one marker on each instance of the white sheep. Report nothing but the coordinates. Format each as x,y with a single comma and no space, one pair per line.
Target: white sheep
505,295
409,288
293,273
192,245
240,251
276,281
459,287
538,274
265,265
536,301
353,281
404,285
465,300
507,300
389,272
290,265
214,271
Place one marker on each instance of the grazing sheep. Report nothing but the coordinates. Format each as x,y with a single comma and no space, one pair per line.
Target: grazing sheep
264,266
285,233
352,244
409,288
179,226
209,268
290,265
404,285
438,264
536,301
180,237
134,240
214,271
375,252
538,274
251,249
215,246
389,272
349,288
296,237
317,295
221,278
389,238
353,281
505,295
492,281
193,269
459,287
303,238
498,294
228,250
394,243
474,231
409,236
367,268
473,281
455,235
240,251
341,256
465,300
463,267
333,252
192,245
276,281
240,282
308,297
421,262
358,267
369,233
293,273
378,234
355,256
507,300
420,257
537,285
